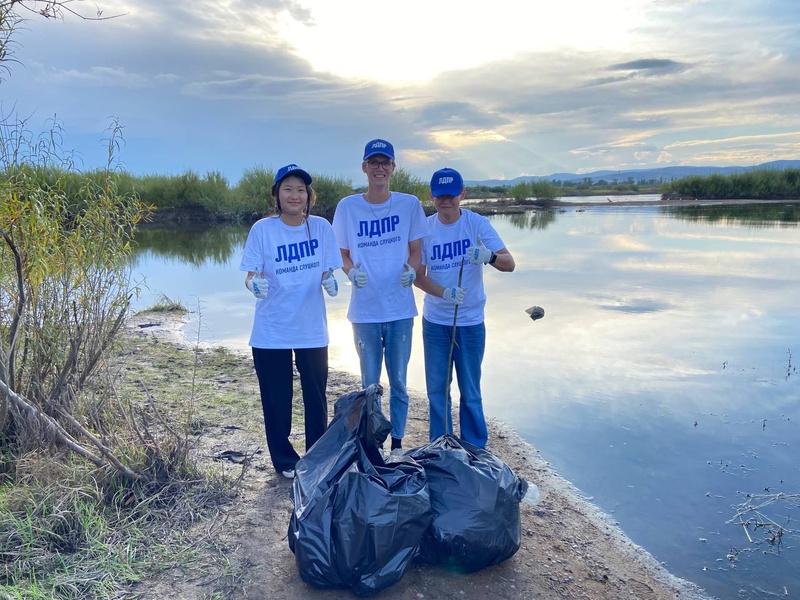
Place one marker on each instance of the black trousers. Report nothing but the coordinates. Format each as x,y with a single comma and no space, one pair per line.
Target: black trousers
275,379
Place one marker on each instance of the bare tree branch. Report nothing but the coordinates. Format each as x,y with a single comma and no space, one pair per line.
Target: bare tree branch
52,9
7,353
13,14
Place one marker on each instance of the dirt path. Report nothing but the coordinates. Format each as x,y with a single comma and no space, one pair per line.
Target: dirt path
569,550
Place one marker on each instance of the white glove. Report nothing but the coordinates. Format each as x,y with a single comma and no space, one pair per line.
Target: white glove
259,286
479,254
454,295
408,275
329,283
357,276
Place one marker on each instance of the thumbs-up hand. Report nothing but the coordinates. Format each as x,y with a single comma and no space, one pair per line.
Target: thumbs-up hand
357,276
408,275
479,254
329,283
259,286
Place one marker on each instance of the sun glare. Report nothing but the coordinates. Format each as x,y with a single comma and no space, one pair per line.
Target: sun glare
459,138
416,41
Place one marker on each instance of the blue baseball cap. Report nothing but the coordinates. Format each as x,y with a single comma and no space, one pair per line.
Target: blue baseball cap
378,147
446,182
293,170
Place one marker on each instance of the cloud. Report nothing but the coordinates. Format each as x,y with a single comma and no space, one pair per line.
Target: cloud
446,115
656,66
97,76
580,103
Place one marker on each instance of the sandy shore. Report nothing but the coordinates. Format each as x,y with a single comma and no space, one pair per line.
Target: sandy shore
570,548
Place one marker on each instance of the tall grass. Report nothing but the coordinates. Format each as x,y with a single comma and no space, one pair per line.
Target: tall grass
210,196
760,184
404,181
329,191
58,540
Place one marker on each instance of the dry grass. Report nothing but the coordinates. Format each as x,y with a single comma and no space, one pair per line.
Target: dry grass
71,530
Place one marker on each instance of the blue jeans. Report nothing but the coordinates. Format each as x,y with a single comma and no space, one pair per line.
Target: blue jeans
391,341
467,358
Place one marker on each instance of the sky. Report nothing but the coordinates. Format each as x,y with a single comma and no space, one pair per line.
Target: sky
496,89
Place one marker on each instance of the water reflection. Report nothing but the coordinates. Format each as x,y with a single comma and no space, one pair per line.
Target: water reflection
192,243
661,380
750,215
539,220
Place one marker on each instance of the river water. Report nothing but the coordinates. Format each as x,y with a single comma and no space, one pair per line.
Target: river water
662,380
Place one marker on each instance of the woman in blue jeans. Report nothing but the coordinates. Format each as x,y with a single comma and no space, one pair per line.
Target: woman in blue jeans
461,242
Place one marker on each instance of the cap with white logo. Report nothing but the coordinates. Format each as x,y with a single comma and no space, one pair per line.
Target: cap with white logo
378,147
446,182
288,170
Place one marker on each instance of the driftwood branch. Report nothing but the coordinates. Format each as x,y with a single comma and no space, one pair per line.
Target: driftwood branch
104,450
61,435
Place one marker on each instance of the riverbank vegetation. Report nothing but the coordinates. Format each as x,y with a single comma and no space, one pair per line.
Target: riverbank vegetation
192,196
541,193
756,185
95,471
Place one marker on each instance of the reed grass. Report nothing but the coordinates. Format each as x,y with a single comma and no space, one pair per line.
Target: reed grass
759,184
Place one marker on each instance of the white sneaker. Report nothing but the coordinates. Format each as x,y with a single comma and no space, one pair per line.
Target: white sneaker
288,473
396,454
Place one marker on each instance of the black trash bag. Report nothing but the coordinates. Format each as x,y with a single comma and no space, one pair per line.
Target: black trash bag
475,499
360,413
356,522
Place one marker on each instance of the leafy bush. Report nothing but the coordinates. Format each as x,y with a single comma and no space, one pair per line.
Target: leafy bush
544,191
329,191
404,181
520,191
252,194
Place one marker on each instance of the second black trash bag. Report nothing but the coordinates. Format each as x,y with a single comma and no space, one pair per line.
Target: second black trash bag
356,522
475,499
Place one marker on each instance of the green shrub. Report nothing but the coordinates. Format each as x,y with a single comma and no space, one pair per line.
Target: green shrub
252,194
543,191
404,181
329,191
520,191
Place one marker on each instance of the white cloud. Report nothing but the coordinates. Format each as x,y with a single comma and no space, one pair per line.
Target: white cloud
507,88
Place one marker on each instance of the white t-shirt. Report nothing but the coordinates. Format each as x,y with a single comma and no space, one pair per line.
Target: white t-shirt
377,236
443,252
292,260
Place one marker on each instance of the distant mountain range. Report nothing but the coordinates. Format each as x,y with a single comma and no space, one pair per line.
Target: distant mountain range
658,175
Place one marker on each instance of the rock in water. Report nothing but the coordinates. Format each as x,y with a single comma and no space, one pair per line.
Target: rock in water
535,312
